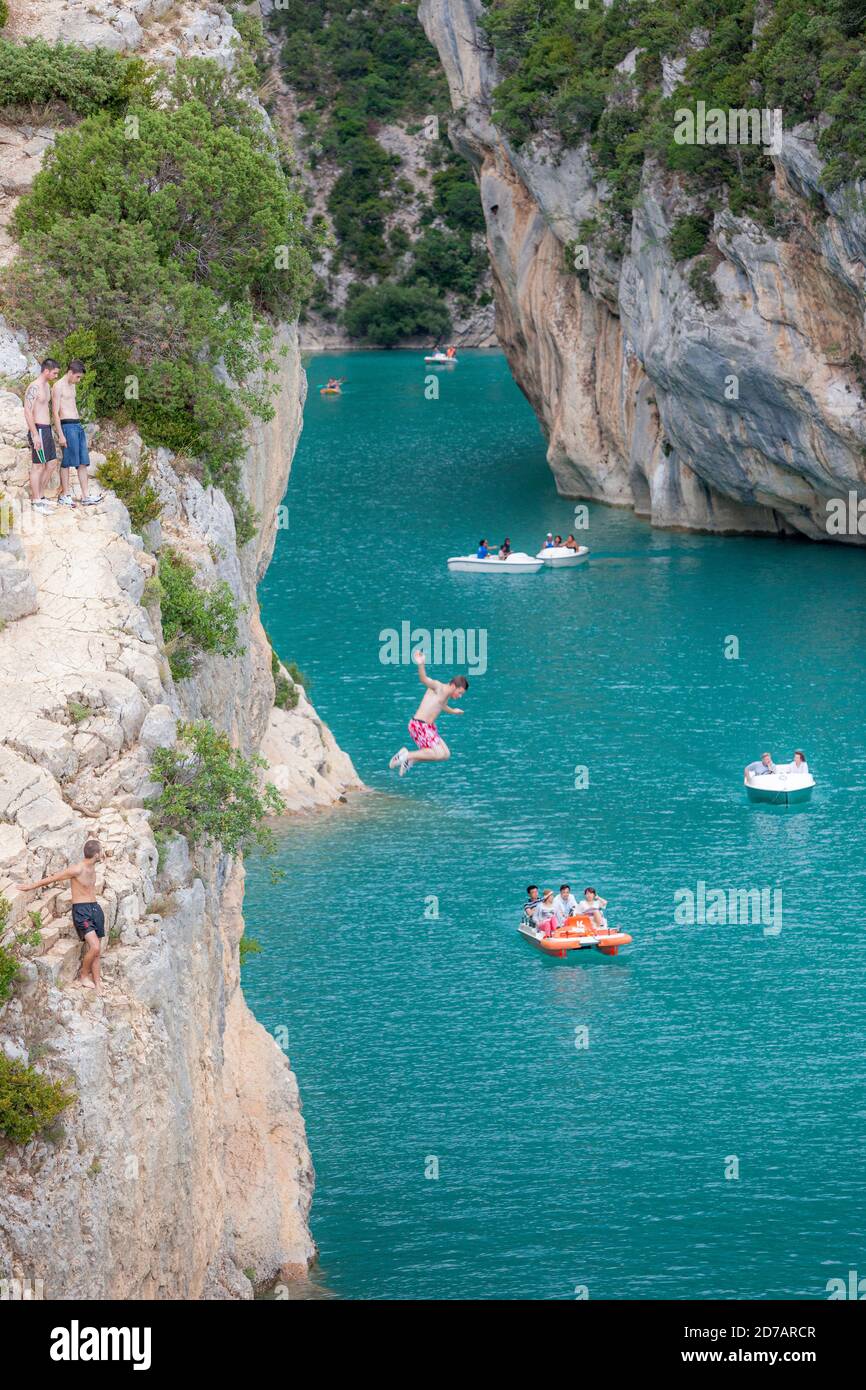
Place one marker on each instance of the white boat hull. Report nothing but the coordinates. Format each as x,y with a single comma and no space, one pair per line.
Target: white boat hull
562,556
517,563
442,361
781,788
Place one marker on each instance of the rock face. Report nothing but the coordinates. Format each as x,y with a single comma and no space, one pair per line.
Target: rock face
746,415
182,1169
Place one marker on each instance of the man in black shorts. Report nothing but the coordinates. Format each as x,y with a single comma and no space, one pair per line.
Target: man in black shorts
87,916
37,413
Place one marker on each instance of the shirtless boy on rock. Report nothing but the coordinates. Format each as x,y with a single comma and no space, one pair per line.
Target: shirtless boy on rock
70,433
37,413
429,744
87,916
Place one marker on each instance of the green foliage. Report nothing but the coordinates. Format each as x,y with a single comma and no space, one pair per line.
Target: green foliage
386,314
132,486
248,946
356,65
7,517
78,711
689,236
285,687
703,285
29,1102
4,13
170,249
9,968
86,80
210,792
194,619
558,65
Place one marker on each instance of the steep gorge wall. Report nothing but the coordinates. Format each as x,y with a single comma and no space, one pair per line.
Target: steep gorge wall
182,1170
631,374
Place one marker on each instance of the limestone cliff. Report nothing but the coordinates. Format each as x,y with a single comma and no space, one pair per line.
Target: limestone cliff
182,1170
747,415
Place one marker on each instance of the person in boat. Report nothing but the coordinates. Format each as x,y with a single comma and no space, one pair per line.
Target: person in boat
564,904
764,768
429,744
549,542
799,764
484,549
505,549
452,352
546,920
592,906
558,541
571,543
334,383
532,904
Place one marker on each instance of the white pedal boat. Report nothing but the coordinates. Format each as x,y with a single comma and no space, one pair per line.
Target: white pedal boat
441,359
517,563
781,788
562,556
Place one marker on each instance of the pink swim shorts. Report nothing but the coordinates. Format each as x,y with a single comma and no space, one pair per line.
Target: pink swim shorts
424,735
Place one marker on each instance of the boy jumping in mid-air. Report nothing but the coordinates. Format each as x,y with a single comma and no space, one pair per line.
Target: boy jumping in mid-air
87,915
431,747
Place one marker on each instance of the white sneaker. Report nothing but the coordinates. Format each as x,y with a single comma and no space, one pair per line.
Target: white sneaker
91,501
398,758
404,761
40,506
66,500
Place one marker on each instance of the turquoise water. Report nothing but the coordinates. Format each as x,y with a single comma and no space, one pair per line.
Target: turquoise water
418,1038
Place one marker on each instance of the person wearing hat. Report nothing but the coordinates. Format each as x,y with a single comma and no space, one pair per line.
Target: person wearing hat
548,544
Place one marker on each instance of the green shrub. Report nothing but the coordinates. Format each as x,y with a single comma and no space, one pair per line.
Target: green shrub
132,486
29,1102
702,284
689,236
4,911
7,517
194,619
4,13
447,262
248,946
9,968
210,792
86,80
386,314
169,250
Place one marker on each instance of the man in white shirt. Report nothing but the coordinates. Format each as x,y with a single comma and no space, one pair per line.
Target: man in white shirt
564,904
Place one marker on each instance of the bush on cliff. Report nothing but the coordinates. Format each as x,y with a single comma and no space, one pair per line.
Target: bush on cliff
194,619
210,792
85,80
385,314
132,486
165,235
29,1102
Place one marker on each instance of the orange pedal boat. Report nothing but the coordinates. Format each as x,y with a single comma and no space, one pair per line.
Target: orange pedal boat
575,934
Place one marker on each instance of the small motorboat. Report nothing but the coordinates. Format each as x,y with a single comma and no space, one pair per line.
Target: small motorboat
781,788
518,562
575,934
442,359
562,556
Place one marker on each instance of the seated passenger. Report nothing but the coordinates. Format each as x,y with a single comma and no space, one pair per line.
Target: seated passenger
557,540
760,769
532,904
564,904
545,917
505,549
483,550
592,906
571,543
548,544
799,764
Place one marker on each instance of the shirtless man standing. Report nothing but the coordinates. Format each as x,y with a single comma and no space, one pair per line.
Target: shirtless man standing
37,413
87,916
431,747
70,432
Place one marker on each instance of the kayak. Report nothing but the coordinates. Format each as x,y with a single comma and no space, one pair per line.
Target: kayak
575,934
781,788
562,556
330,391
517,563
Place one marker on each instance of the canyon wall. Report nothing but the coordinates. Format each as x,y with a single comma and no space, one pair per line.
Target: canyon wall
182,1169
745,416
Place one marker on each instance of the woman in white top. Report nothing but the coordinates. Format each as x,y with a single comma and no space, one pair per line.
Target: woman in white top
592,906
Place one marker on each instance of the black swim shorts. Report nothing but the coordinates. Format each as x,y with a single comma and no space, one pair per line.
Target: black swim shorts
88,917
48,446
